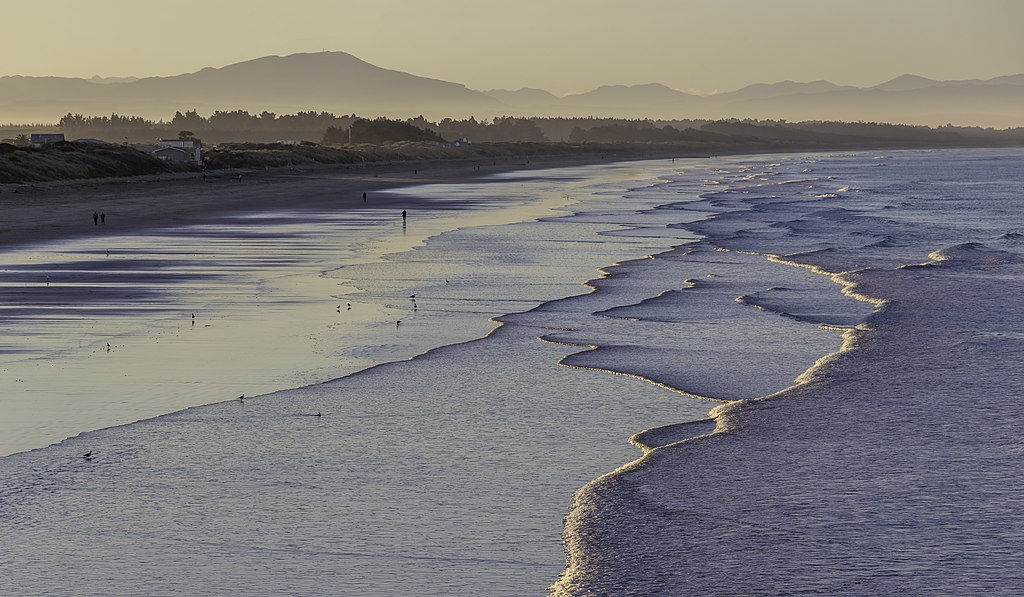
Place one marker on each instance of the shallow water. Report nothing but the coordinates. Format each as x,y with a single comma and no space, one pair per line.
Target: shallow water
100,331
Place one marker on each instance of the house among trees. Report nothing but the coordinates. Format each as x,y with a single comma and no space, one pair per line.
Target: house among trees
180,150
41,139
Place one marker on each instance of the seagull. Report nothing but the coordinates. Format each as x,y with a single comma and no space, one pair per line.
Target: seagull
398,323
241,398
413,295
87,455
317,414
349,306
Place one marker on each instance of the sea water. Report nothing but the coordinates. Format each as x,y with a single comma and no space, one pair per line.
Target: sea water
862,395
895,465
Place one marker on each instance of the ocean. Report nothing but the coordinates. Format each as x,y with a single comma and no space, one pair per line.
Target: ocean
752,374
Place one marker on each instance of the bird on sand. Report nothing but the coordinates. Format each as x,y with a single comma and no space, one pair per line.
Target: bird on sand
413,295
241,398
87,455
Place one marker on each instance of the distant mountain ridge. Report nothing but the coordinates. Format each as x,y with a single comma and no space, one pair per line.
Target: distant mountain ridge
343,84
908,99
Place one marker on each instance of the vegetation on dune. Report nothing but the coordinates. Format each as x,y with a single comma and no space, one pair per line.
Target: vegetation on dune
69,161
260,155
236,126
352,140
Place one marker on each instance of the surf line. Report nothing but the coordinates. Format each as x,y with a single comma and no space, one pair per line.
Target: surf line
724,417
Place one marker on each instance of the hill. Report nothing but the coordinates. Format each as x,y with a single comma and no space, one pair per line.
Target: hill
327,81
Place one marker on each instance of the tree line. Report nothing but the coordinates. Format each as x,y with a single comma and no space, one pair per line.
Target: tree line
221,126
330,129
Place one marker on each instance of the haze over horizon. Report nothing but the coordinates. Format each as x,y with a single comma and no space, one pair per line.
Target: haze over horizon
567,47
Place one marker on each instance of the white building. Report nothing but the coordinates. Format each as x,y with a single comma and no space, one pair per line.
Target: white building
180,150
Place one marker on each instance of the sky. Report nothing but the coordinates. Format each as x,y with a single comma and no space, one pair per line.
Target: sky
564,46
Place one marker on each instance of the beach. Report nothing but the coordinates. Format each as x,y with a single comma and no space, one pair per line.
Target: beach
691,364
193,291
63,209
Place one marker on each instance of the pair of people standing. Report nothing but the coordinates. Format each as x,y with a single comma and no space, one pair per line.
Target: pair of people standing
98,218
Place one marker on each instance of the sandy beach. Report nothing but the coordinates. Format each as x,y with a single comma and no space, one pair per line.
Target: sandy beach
35,212
192,292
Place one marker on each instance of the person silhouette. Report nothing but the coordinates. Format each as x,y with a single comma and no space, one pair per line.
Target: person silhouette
95,219
403,216
103,217
364,197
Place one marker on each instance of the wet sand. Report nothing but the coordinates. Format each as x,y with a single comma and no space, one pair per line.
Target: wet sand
193,292
36,212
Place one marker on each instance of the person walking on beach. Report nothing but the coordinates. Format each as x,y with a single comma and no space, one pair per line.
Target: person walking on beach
364,197
95,219
403,216
103,217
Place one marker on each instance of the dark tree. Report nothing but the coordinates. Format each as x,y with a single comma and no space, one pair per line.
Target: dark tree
378,132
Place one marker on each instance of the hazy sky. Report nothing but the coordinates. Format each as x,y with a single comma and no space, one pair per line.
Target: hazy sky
564,46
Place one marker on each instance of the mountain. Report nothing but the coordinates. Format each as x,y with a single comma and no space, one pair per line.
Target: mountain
767,90
971,104
343,84
628,97
906,83
325,81
102,80
1006,80
911,82
523,97
907,99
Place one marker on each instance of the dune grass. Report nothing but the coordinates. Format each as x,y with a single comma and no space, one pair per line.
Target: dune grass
71,161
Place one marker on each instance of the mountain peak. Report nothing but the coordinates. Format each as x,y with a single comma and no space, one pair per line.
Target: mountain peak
612,95
782,88
522,96
906,82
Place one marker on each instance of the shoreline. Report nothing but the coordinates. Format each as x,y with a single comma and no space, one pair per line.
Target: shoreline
317,193
141,202
189,198
364,426
843,414
383,416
